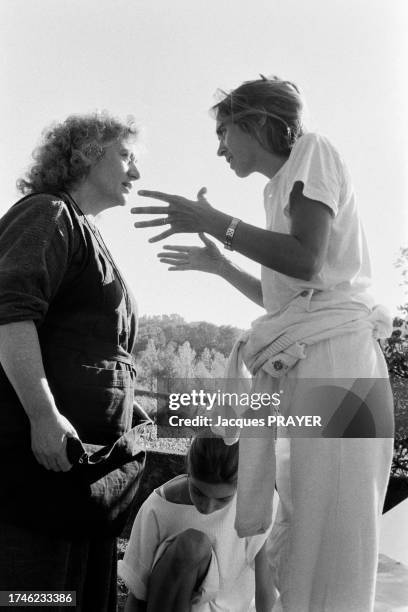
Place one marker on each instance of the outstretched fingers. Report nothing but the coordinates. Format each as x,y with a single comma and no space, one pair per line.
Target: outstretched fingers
201,194
149,210
161,236
157,195
183,215
179,249
179,268
180,255
152,222
175,262
205,239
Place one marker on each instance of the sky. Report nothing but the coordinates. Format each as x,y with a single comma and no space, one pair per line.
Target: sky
162,62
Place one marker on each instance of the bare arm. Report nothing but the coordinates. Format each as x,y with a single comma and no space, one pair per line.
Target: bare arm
299,254
210,259
265,594
20,356
247,284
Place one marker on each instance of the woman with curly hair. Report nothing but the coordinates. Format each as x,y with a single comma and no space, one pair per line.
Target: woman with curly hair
67,328
316,342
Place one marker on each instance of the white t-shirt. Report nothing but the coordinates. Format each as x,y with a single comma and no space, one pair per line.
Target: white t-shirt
230,581
346,272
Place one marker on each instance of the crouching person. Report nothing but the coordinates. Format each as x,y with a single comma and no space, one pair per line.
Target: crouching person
184,554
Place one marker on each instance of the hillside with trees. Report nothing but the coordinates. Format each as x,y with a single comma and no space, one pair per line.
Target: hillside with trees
396,353
169,347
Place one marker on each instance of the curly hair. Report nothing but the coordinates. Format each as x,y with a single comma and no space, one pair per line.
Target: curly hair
210,460
268,108
70,148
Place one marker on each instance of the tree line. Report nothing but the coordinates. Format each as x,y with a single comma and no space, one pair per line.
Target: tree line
169,347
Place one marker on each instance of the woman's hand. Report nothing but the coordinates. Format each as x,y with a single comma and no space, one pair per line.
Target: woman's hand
21,358
210,259
205,259
49,435
183,215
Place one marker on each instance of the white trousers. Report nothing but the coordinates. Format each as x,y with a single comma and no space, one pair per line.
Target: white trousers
323,548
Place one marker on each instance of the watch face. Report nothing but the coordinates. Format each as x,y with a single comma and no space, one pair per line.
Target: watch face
229,234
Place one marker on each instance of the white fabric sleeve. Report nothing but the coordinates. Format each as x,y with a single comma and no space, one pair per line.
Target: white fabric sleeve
136,566
318,166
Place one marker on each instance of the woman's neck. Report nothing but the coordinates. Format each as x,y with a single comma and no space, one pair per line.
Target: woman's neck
269,164
87,200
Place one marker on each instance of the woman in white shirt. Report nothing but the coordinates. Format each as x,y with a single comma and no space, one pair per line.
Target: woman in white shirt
320,323
184,553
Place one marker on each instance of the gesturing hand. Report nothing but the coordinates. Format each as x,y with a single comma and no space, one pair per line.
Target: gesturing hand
183,215
206,259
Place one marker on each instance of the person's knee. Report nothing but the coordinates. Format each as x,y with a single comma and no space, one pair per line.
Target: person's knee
191,548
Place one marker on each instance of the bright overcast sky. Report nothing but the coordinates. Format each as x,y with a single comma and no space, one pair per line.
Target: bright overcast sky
162,62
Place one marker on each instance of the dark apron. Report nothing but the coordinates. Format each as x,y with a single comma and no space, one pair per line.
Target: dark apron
86,341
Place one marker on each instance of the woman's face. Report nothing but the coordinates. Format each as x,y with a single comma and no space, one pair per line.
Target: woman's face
241,150
208,497
111,177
